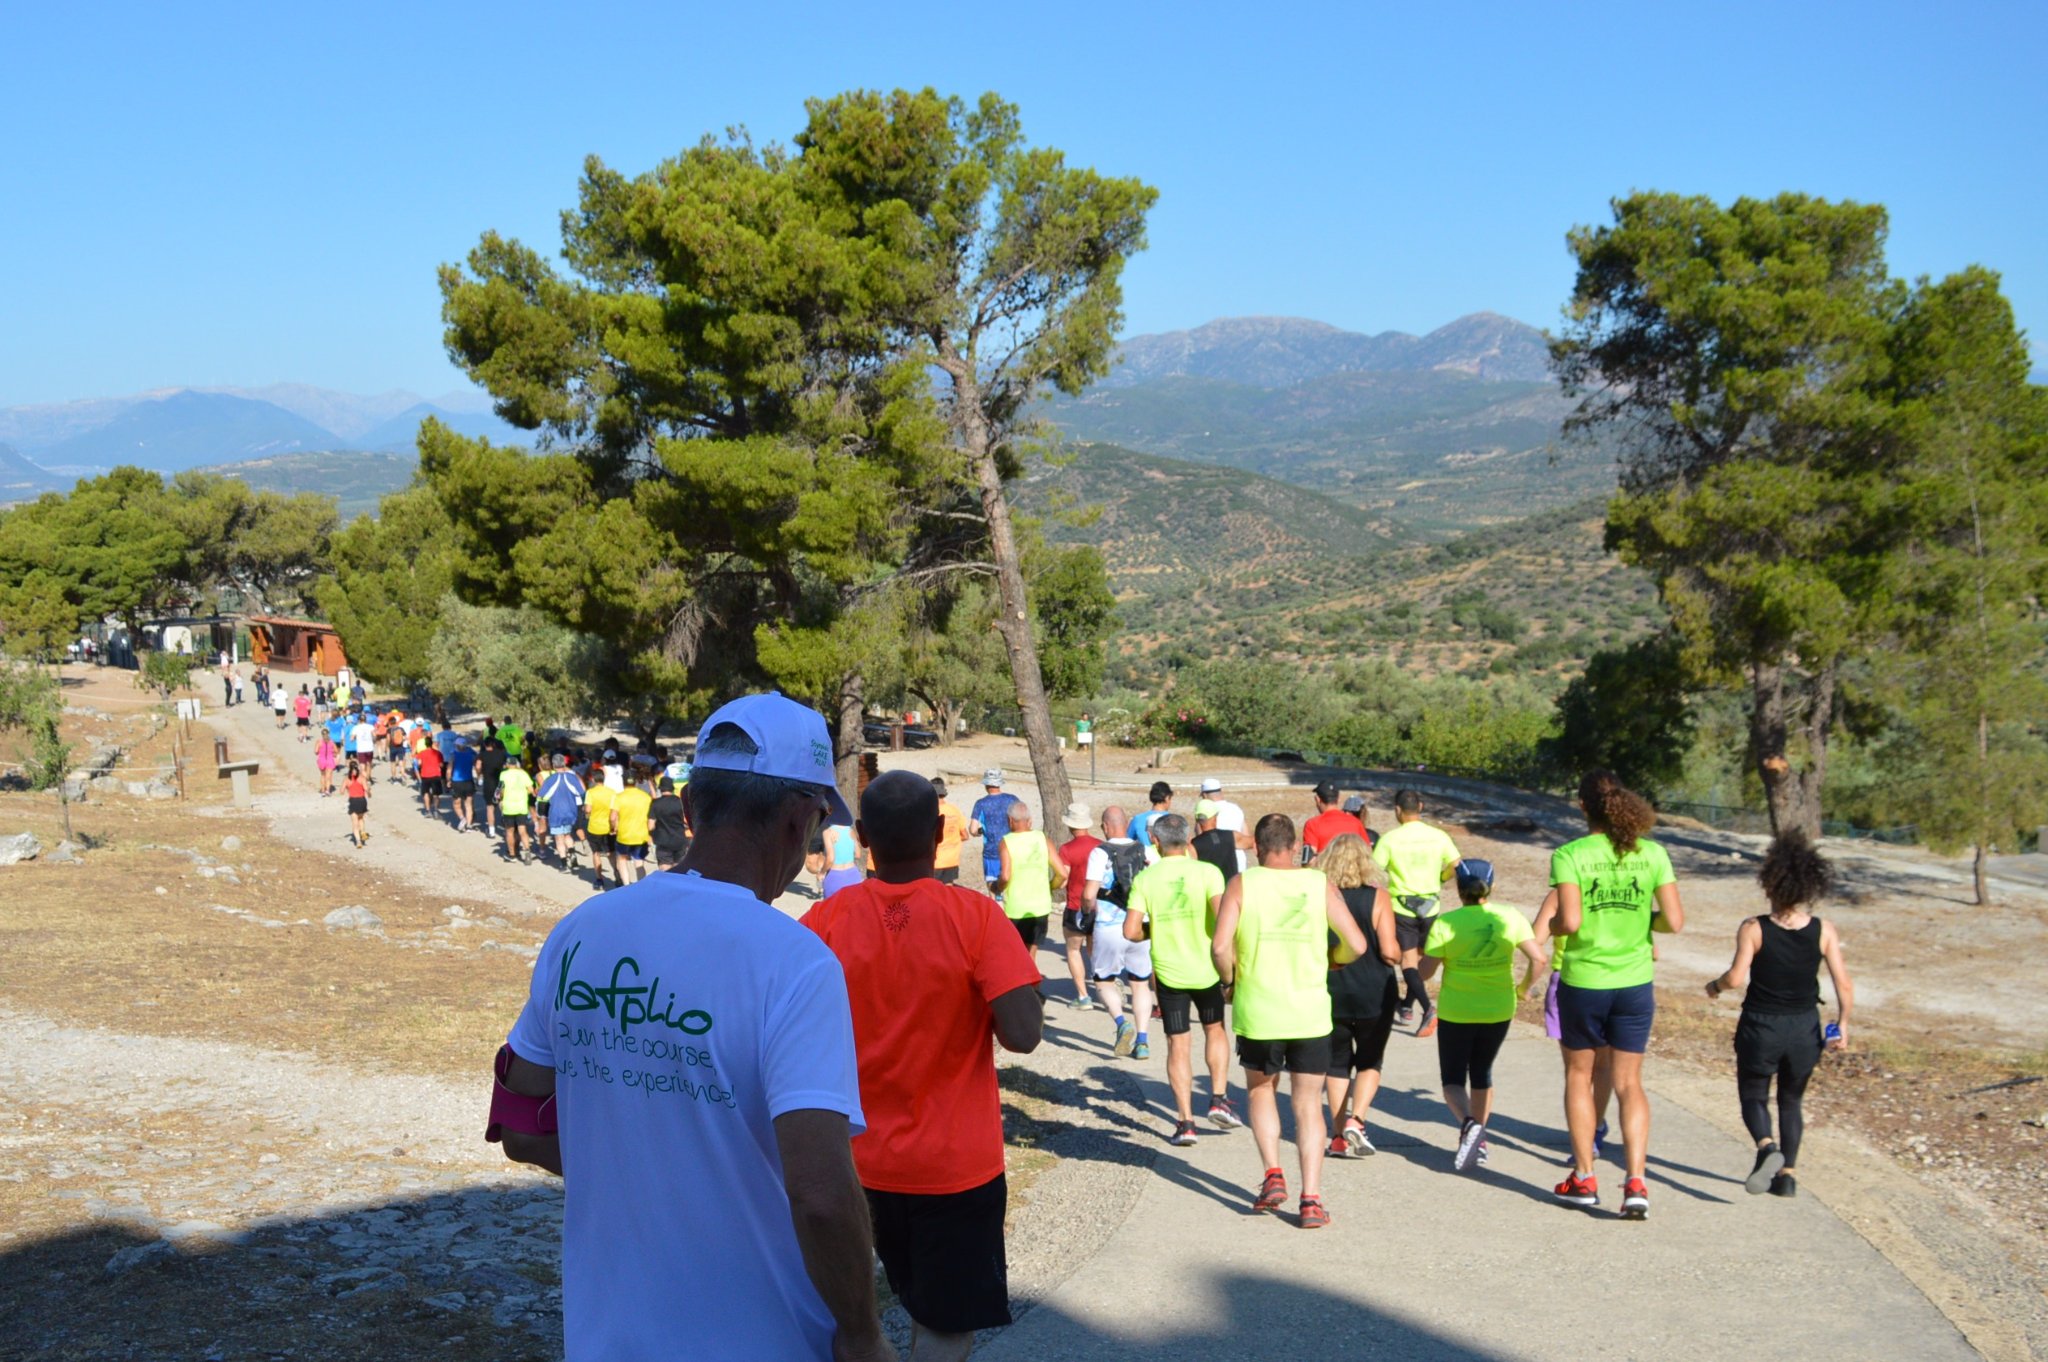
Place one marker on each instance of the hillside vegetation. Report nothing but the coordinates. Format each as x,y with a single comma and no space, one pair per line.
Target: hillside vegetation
1210,562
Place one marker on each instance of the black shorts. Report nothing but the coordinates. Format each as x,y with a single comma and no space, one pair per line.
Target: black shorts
1032,929
1310,1056
947,875
358,804
1411,932
1080,920
1175,1002
1360,1043
600,843
1465,1052
944,1255
669,855
462,789
512,820
430,786
305,723
633,851
1778,1043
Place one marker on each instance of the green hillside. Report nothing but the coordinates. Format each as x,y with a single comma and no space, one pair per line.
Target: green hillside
355,480
1210,562
1437,452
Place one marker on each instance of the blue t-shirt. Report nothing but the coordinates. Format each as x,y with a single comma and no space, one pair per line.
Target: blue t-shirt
562,792
337,729
462,766
993,813
445,741
1141,827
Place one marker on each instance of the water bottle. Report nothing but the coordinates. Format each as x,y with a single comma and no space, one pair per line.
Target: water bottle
1831,1033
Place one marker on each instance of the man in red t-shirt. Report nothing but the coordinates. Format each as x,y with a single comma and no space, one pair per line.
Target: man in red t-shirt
430,780
1077,923
931,971
1330,823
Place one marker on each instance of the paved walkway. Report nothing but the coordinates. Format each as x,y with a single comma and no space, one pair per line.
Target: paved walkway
1422,1262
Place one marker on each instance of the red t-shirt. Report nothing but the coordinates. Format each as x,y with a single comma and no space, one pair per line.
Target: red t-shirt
1327,826
923,961
358,790
430,763
1074,852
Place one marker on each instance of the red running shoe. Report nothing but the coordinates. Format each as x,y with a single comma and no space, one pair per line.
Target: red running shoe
1313,1214
1272,1193
1578,1191
1635,1200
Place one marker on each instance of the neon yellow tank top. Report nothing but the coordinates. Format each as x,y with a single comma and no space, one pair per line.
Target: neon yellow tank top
1283,956
1030,890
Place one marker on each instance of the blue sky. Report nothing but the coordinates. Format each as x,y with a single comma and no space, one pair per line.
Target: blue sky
203,194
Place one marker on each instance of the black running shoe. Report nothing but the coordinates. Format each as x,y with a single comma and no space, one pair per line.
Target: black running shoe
1769,1163
1784,1185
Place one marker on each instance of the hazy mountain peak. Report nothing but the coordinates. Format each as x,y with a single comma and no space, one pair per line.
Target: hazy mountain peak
1281,352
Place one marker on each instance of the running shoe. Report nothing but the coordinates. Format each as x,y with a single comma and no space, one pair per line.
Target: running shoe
1769,1163
1635,1200
1183,1134
1313,1214
1784,1185
1479,1155
1338,1148
1428,1027
1272,1192
1081,1003
1354,1136
1126,1036
1403,1015
1141,1050
1222,1114
1469,1136
1578,1191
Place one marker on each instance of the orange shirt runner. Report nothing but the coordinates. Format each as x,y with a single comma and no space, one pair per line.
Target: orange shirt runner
923,961
953,832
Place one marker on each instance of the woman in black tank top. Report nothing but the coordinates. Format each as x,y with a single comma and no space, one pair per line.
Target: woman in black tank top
1777,964
1363,995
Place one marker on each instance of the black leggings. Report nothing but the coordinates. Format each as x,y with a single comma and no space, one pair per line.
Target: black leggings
1783,1047
1465,1052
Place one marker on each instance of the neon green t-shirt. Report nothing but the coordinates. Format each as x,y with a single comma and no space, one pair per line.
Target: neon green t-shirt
1477,943
513,737
1618,897
1175,895
1029,892
1415,856
515,791
1283,955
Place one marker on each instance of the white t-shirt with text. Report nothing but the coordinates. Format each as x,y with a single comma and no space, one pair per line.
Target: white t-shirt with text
682,1016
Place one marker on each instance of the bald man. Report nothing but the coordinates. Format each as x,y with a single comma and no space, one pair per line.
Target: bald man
931,970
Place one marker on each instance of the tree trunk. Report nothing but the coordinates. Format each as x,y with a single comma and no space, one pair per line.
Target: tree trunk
848,738
1979,876
1013,621
1793,795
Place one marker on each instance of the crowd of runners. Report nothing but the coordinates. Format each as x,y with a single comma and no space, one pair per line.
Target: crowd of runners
1306,949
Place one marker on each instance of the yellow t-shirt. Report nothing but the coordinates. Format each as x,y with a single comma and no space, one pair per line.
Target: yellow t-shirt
631,806
598,805
1415,856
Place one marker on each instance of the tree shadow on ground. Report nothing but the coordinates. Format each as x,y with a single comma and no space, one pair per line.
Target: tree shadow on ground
1262,1317
468,1276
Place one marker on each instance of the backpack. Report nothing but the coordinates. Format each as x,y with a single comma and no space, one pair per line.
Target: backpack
1126,859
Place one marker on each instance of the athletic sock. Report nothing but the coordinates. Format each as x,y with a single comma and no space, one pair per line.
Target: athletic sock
1143,1039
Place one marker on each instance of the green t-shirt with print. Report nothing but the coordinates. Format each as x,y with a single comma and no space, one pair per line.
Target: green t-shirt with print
1174,895
1617,899
1415,855
1477,943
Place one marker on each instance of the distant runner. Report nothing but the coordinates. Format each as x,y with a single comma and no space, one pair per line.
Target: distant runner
670,818
1614,887
1081,858
1026,874
632,821
515,800
1419,859
1477,943
1161,797
462,785
1330,823
1117,960
1175,901
358,791
1229,817
952,836
989,820
1272,949
561,798
1215,846
1777,963
597,827
1363,995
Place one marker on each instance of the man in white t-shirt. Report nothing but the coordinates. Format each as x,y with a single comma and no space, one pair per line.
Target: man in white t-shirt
686,1061
362,743
1229,816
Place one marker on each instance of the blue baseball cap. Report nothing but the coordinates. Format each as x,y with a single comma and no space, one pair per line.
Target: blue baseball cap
1475,875
790,743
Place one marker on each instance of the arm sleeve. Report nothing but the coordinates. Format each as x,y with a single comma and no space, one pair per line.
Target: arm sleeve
807,1055
1561,869
1001,963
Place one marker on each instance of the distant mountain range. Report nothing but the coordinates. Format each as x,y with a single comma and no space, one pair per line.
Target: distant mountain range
173,429
1283,352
